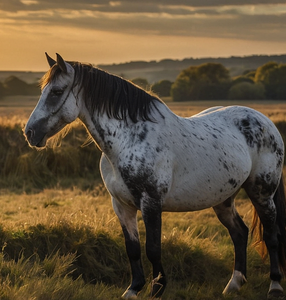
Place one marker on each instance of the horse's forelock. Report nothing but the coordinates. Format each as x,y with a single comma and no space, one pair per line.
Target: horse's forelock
51,75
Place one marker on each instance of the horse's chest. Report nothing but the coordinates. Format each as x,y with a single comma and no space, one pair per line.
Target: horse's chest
143,182
136,178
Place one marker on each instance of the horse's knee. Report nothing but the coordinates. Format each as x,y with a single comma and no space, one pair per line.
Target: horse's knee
236,282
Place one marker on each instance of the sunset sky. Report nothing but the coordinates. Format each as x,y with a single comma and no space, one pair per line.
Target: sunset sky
99,31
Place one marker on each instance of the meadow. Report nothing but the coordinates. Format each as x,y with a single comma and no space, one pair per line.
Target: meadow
60,238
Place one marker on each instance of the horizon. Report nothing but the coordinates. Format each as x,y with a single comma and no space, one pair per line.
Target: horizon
157,61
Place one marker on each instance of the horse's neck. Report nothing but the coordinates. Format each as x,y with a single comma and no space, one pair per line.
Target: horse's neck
111,134
99,127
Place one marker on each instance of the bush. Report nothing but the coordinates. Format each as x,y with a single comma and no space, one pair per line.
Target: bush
246,91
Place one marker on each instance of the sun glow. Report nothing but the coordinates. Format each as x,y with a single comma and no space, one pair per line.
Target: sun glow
29,2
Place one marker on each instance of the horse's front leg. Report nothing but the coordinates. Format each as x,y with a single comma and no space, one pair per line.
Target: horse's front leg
151,213
134,254
128,219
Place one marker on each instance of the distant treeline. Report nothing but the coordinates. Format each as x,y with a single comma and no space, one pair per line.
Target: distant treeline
212,81
208,81
12,86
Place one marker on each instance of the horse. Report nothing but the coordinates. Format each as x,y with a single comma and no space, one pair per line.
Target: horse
154,161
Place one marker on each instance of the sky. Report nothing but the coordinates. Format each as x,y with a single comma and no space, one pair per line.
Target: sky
106,32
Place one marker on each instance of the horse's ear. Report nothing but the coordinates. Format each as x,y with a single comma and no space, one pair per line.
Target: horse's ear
50,60
61,63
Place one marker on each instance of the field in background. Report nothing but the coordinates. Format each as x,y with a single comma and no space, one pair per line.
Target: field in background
64,241
23,105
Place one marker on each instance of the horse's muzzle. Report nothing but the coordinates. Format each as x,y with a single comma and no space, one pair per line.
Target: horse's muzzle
35,140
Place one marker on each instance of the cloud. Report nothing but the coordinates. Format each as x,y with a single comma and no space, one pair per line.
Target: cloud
248,20
103,31
125,5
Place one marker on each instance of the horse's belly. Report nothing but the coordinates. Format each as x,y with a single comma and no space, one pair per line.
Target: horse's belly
188,201
203,192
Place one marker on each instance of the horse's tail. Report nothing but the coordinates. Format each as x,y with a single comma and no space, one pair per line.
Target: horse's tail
257,230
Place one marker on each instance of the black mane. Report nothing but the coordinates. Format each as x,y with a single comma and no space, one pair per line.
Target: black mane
107,93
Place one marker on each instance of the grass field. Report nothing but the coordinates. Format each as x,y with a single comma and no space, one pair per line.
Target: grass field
60,238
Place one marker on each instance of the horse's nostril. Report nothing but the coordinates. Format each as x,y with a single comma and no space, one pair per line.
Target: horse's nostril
29,134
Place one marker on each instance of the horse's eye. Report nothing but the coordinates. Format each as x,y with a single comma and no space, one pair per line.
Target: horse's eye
57,92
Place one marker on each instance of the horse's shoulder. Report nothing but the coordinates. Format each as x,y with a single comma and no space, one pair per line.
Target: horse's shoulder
105,166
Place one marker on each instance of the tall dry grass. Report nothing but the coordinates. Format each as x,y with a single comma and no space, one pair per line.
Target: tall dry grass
27,170
67,244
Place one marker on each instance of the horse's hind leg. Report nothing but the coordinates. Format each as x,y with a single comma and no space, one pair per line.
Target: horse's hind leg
262,196
238,231
267,215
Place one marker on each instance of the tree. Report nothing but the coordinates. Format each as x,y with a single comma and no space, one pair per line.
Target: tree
273,76
240,79
262,72
162,88
246,91
208,81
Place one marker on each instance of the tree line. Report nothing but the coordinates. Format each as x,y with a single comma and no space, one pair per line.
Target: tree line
212,81
208,81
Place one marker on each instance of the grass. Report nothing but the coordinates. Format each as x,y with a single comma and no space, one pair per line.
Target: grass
29,170
60,239
67,244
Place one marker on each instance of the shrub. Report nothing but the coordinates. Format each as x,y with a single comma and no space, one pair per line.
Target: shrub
246,91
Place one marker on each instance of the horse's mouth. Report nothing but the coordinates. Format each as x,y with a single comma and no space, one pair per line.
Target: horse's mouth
42,143
35,140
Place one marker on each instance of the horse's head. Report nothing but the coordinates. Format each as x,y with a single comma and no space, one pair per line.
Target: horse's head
57,105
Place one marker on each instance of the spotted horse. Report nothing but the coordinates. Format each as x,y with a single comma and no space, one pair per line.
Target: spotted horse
154,161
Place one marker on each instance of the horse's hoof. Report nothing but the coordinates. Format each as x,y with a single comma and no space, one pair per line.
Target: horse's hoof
129,295
236,282
276,294
158,287
157,291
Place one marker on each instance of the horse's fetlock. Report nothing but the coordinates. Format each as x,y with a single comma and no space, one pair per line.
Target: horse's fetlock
158,286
